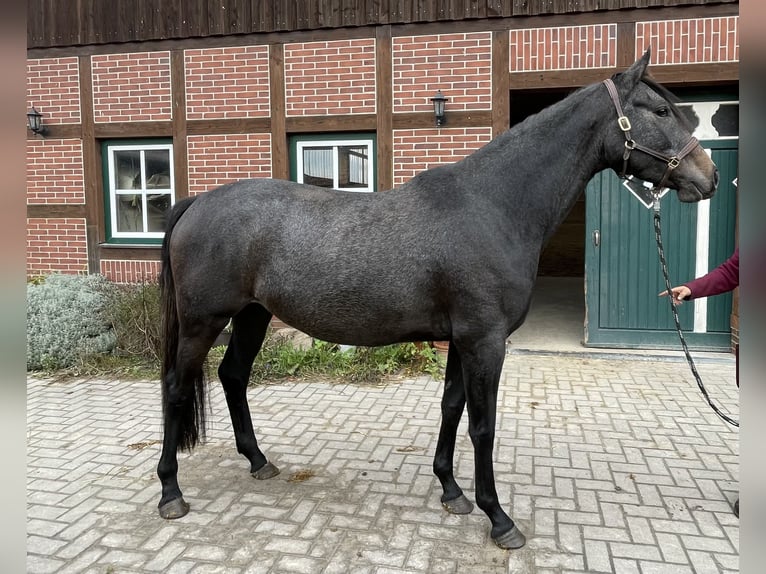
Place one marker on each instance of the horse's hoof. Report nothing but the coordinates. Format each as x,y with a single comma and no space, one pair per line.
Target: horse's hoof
459,505
268,470
511,540
176,508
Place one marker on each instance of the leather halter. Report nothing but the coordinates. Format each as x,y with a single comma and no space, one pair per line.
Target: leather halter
630,144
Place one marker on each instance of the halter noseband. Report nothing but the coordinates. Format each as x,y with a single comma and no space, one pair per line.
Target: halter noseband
630,144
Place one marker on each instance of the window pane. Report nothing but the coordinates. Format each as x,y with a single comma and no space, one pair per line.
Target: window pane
127,164
317,166
352,166
129,213
157,206
157,168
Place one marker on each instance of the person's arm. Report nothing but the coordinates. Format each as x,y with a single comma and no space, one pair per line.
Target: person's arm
722,279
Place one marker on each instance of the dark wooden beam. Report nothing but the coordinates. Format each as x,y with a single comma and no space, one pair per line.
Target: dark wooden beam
626,44
349,123
677,74
180,154
228,126
129,253
91,162
280,161
384,107
58,131
63,211
462,119
501,82
134,129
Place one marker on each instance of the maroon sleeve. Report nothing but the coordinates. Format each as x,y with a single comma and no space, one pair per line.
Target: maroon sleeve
722,279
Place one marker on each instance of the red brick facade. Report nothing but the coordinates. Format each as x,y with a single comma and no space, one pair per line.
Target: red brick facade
131,87
241,101
218,159
122,271
53,88
54,172
56,245
690,41
227,82
457,64
564,48
418,150
330,78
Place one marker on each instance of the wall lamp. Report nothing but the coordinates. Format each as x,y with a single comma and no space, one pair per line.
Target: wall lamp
439,100
35,122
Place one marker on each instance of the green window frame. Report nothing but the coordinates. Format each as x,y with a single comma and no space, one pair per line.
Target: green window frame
344,161
139,189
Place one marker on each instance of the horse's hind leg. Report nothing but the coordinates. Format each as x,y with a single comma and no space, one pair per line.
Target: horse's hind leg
248,333
453,402
183,416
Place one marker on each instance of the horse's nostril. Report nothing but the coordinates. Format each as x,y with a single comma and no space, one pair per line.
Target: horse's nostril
716,177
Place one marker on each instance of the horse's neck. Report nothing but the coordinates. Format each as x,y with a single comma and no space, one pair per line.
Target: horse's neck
545,163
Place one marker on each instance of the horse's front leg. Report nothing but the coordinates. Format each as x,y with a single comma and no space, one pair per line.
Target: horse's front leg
249,328
482,362
453,402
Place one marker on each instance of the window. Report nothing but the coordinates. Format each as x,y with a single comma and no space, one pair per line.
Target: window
341,162
139,189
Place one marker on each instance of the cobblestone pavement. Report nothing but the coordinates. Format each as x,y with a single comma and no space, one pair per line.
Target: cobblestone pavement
606,465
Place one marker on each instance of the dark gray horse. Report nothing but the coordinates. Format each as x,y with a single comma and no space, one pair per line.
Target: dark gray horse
450,255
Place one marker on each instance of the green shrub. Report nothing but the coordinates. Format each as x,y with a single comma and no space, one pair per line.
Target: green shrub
66,320
134,312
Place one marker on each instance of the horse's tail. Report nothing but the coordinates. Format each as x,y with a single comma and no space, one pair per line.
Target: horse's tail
190,412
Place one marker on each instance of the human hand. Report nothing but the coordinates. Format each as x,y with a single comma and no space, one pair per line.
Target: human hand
679,293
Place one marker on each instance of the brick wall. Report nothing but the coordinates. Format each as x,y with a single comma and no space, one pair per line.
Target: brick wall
123,271
53,88
227,82
131,87
218,159
690,41
330,78
421,149
54,171
563,48
56,245
321,78
457,64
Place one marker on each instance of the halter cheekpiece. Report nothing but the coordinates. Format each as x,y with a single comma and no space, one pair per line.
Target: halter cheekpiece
630,144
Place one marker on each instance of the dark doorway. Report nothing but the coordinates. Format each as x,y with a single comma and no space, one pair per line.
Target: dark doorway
556,317
564,256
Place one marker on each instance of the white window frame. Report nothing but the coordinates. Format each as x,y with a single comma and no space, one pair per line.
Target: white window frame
335,144
115,192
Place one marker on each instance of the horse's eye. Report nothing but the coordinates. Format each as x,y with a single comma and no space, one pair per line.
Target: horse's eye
663,112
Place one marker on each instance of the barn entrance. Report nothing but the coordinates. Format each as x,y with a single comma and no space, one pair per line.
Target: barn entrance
557,314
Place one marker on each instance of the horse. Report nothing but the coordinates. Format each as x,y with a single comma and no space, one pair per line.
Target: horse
450,255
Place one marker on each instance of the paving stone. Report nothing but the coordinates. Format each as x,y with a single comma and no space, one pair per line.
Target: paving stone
605,466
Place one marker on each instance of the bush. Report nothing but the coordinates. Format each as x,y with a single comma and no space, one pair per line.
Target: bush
134,312
66,320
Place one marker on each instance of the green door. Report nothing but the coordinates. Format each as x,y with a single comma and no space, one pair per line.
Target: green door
622,269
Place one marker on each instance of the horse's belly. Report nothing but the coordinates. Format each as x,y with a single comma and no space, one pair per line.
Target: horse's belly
356,323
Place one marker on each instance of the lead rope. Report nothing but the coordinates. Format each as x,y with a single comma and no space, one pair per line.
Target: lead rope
661,252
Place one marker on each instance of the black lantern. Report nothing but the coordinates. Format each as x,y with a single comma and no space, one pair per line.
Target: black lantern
35,121
439,100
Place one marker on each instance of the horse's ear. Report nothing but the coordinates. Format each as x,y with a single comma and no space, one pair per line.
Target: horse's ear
630,77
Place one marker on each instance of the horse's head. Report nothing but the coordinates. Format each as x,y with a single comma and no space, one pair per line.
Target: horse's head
652,140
